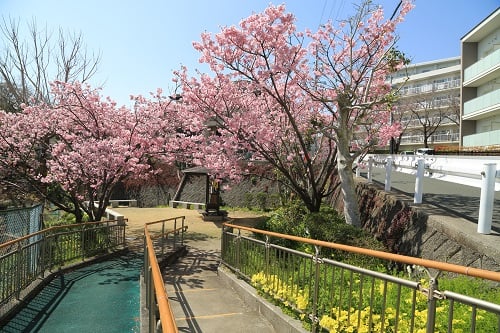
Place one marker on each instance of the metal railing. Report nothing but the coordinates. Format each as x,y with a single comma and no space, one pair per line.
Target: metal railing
429,165
26,259
340,297
168,237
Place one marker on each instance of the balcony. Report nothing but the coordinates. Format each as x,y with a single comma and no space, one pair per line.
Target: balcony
482,106
436,138
483,71
482,139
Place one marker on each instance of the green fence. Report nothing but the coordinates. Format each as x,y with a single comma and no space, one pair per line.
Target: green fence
329,295
28,258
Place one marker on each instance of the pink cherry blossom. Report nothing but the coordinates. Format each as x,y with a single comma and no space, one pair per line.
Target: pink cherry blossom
300,101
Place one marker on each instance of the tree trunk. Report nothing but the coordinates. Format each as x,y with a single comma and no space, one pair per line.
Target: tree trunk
78,214
351,207
344,165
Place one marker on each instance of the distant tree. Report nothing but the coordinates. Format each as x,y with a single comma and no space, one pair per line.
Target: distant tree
28,65
307,111
427,112
404,119
7,99
452,106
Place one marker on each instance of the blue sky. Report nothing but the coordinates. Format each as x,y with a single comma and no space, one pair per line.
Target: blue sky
141,42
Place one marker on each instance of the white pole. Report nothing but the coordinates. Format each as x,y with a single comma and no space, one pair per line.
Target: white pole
487,198
358,169
419,181
388,169
370,167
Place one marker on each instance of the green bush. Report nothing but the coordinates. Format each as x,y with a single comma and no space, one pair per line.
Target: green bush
248,200
326,225
261,198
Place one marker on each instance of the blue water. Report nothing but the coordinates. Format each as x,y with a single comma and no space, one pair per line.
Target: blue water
102,297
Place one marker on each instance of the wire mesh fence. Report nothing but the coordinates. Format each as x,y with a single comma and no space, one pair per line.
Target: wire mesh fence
19,222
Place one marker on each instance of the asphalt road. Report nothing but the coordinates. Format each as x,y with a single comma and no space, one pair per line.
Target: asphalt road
458,199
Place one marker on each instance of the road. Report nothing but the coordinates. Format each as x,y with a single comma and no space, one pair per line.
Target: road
459,199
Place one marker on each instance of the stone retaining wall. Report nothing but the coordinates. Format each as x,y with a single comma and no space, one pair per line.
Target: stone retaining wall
425,231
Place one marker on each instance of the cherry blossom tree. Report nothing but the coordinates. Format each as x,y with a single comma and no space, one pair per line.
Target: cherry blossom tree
255,108
351,64
300,108
85,145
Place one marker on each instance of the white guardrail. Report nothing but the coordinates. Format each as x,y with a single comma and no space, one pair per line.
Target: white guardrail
477,171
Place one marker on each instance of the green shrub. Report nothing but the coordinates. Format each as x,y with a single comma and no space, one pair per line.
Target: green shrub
248,200
326,225
261,198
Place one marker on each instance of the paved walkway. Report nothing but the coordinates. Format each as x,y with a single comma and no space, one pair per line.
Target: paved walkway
200,301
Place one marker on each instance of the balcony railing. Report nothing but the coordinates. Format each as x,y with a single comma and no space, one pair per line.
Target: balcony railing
434,120
436,138
478,69
430,87
482,139
484,103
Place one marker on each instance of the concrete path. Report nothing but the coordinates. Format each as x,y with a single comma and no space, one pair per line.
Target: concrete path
200,301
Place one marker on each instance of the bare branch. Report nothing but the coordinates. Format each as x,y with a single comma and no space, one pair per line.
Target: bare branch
30,61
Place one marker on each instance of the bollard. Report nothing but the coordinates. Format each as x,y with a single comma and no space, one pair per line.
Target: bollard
487,198
388,171
419,181
370,167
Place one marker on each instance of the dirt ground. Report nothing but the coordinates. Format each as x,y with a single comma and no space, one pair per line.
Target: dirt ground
198,229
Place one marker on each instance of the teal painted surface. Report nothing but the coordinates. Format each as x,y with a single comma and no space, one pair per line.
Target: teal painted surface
102,297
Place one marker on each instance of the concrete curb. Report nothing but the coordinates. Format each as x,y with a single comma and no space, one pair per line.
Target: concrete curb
281,322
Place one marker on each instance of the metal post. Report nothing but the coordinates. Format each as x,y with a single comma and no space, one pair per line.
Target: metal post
358,168
182,231
84,243
419,181
388,171
175,233
267,255
317,261
487,198
151,302
238,251
431,305
370,167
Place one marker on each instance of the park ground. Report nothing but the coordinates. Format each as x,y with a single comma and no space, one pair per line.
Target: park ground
206,233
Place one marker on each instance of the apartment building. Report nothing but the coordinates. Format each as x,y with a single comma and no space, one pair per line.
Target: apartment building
428,108
480,91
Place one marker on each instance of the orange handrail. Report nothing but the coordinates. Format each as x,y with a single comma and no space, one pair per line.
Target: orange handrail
165,220
442,266
184,228
17,240
167,317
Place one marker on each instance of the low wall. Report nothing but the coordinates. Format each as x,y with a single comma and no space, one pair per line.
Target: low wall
424,231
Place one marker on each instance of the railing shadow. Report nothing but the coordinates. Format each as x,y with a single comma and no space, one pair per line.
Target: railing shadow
37,310
185,275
